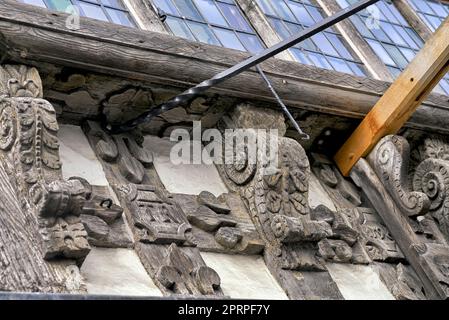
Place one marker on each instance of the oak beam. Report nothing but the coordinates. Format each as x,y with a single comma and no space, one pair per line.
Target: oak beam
400,101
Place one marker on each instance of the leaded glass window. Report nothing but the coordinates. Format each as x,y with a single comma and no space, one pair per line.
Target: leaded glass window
433,13
389,35
327,49
216,22
106,10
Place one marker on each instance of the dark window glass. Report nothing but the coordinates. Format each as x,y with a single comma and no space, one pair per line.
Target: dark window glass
326,50
105,10
217,22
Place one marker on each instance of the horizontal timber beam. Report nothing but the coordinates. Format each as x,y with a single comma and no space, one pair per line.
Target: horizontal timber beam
33,35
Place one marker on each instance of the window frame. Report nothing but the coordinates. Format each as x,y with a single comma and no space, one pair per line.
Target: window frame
103,8
211,26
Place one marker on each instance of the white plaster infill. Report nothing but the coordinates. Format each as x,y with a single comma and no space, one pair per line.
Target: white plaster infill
183,178
358,282
77,157
117,272
244,277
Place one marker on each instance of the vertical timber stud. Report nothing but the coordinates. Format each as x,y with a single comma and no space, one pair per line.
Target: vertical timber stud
399,102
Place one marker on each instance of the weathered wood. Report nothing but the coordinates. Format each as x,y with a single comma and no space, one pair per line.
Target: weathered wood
400,229
217,227
372,62
262,26
35,35
145,16
22,264
413,19
38,209
400,101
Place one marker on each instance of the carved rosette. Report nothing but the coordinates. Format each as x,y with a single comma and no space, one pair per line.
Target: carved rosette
390,160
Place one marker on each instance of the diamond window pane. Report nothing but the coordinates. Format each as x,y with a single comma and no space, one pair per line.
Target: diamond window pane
105,10
327,49
216,22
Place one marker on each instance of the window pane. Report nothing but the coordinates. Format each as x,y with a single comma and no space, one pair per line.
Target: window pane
251,42
210,11
179,28
187,9
229,39
39,3
216,22
166,6
293,16
234,17
93,11
60,5
120,17
202,33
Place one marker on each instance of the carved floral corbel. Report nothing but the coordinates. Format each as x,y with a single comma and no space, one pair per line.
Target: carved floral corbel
29,147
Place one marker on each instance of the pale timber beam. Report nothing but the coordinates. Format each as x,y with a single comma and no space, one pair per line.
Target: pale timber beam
145,16
262,26
33,35
400,101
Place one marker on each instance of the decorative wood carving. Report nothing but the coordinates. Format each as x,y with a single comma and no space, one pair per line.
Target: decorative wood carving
217,227
104,220
160,228
156,217
405,212
402,281
342,192
179,271
40,211
123,151
29,142
391,159
278,204
431,176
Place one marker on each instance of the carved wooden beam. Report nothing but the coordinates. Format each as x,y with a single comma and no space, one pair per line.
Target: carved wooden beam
384,180
40,211
400,101
33,35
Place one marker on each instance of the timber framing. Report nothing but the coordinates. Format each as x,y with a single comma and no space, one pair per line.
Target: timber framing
33,35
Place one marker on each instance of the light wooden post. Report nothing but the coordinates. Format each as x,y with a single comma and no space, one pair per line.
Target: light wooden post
399,102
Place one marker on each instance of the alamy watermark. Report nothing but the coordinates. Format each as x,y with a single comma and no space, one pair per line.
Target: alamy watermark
236,147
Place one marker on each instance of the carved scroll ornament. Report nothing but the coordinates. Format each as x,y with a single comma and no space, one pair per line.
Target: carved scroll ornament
391,157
